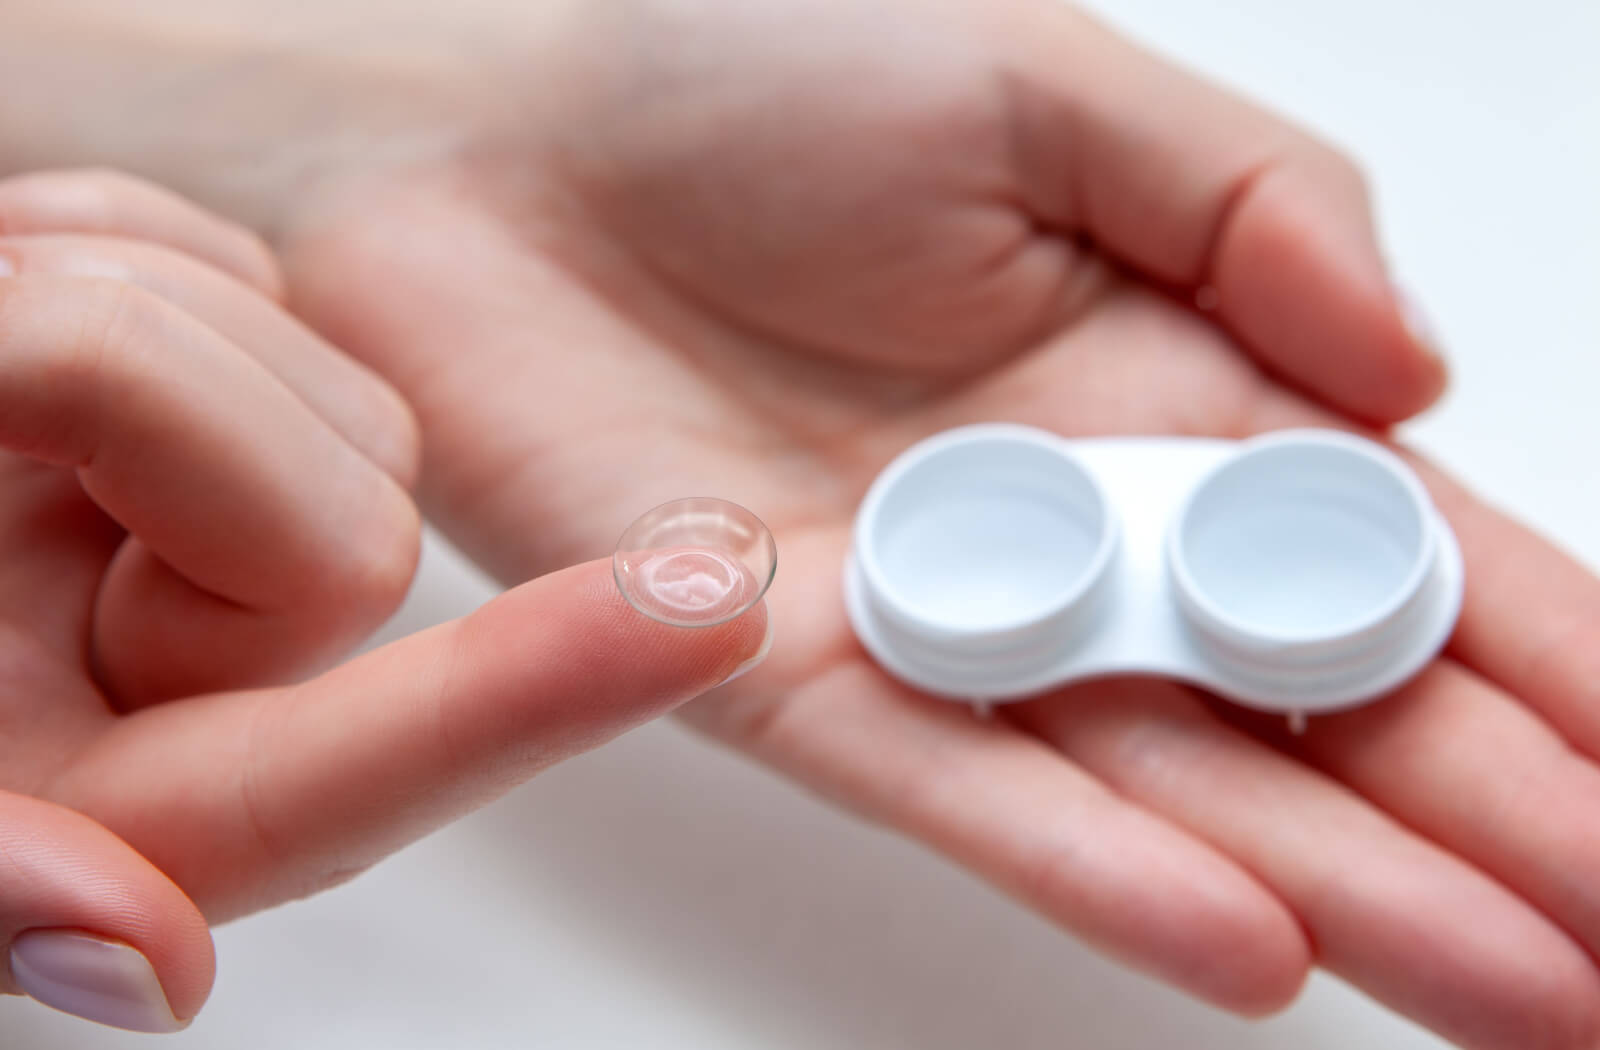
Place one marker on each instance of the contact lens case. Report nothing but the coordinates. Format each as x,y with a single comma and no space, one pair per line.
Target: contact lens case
1298,572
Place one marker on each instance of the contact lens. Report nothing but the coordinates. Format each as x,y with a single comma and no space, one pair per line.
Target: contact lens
695,562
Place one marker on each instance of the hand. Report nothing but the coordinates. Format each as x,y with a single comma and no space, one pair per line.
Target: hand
200,501
758,248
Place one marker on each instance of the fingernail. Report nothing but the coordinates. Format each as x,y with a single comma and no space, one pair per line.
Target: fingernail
1417,323
1425,336
90,977
7,267
755,661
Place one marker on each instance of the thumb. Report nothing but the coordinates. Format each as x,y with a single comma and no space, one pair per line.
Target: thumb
283,792
1199,190
92,928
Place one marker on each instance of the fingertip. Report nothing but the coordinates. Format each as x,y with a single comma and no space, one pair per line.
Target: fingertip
254,262
93,928
749,619
566,662
1404,370
1269,969
396,437
1301,283
97,978
707,656
1427,347
1242,951
1398,378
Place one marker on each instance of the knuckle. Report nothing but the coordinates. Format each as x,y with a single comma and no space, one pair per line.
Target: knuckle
112,324
345,587
86,345
106,183
375,571
263,261
31,202
397,447
117,324
1338,167
100,194
266,843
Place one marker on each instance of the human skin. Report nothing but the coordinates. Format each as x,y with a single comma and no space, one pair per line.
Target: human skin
617,253
202,504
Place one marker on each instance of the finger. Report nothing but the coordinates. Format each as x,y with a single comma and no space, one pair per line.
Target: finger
1530,621
262,542
60,544
91,927
1197,188
117,205
1003,805
1395,915
1475,772
360,406
281,793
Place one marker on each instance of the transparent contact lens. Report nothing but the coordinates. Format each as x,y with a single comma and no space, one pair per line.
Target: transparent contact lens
695,562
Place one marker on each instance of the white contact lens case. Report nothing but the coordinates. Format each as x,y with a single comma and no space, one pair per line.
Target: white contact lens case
1301,571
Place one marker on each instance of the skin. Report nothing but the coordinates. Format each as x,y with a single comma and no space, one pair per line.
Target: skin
620,253
172,584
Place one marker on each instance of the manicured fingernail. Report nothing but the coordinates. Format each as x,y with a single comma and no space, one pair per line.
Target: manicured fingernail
93,978
755,661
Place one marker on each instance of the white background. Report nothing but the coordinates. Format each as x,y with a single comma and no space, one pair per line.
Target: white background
663,894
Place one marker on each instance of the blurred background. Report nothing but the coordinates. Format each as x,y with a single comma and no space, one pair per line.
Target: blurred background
662,893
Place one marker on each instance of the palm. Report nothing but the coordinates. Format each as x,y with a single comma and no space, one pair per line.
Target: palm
673,288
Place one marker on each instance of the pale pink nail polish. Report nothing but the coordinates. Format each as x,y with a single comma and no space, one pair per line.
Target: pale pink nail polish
91,977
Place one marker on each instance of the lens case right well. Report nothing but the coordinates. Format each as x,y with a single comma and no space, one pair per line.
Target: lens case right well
1301,571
